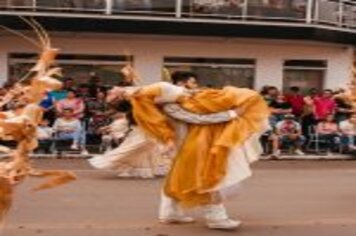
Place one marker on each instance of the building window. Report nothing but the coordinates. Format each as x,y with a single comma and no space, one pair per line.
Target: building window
144,6
214,72
305,74
78,67
71,4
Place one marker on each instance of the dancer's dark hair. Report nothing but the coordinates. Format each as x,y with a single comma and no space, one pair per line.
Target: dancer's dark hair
182,76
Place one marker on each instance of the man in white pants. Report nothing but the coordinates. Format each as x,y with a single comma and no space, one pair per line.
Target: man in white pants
170,212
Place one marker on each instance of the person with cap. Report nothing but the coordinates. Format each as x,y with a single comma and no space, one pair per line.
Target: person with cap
288,133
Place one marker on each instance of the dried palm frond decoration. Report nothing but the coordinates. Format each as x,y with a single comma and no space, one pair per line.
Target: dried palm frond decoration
21,127
353,93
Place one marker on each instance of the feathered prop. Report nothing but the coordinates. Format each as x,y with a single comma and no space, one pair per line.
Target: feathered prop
21,127
353,93
130,74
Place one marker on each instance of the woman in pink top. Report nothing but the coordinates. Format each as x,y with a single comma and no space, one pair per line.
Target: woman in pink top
73,103
328,132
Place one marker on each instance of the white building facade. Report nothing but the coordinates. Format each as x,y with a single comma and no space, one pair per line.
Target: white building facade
218,59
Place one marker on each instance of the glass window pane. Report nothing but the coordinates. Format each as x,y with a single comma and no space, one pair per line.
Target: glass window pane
79,67
73,4
214,72
305,79
149,6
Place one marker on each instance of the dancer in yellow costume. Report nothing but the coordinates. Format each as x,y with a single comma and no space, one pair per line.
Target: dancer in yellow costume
211,159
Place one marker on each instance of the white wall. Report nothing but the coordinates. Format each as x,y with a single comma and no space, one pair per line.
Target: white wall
149,52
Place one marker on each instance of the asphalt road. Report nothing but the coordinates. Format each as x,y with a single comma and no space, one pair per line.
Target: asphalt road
285,198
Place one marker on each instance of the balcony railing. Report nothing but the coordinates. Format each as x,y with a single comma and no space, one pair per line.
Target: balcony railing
338,13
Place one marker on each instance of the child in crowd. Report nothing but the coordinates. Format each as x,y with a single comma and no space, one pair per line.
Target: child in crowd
348,134
45,136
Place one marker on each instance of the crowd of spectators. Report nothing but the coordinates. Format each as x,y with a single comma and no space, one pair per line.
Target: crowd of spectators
319,121
316,122
76,113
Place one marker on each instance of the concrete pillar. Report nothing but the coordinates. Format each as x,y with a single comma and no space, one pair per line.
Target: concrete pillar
4,72
269,71
338,73
149,67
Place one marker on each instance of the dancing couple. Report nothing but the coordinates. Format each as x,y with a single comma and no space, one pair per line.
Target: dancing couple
215,134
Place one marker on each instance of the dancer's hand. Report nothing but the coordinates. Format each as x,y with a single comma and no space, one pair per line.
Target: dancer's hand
239,111
170,147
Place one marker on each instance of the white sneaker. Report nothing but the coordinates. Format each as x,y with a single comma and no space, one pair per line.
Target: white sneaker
299,152
225,224
329,154
74,146
124,175
84,152
276,154
177,219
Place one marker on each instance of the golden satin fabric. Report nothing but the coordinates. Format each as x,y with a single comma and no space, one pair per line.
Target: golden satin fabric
201,162
149,116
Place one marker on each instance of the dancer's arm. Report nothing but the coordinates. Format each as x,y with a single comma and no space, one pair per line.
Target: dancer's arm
179,113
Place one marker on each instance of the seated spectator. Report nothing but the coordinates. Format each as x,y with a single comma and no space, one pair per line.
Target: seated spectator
324,105
69,127
45,135
296,100
288,132
279,108
71,102
328,132
113,134
348,133
96,122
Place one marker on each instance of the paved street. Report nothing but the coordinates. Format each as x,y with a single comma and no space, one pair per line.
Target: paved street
284,198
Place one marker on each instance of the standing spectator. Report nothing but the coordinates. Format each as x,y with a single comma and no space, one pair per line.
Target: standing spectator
348,133
73,103
343,109
289,133
83,91
95,85
68,127
328,132
271,95
296,100
47,105
264,90
324,105
68,84
308,118
280,107
97,105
